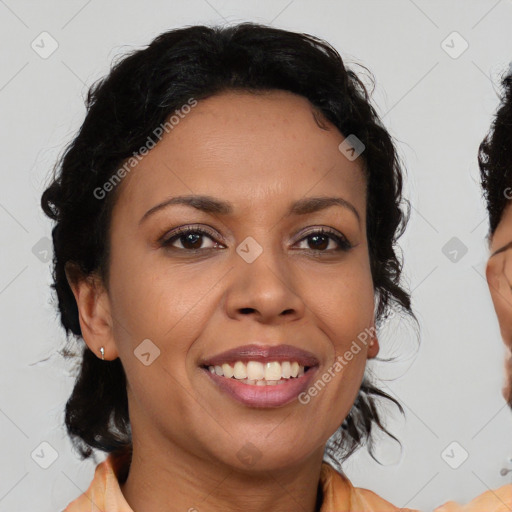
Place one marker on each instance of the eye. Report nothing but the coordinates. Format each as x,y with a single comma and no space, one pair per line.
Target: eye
321,238
190,239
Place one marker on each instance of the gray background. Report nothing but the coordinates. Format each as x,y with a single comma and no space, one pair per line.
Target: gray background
438,107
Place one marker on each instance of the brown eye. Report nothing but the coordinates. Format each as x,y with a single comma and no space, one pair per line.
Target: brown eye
191,239
319,241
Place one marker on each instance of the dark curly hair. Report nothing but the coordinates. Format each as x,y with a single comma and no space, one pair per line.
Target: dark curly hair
123,109
495,158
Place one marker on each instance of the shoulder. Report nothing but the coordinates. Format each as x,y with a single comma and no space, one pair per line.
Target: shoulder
93,497
497,500
340,494
104,492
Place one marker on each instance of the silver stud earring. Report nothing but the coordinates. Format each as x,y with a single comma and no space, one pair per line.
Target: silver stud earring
102,350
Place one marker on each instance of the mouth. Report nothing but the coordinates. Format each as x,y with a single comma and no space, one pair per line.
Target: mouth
262,376
256,373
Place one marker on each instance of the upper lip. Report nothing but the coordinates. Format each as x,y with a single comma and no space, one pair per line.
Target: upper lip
263,354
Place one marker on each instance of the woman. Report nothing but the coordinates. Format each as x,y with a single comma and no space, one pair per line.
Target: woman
494,157
226,220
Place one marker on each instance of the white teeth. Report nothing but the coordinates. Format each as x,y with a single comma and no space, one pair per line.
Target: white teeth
240,370
273,372
227,370
286,369
255,370
259,374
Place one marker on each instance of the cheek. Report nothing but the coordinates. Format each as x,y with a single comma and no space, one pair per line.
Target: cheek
155,299
501,295
344,302
158,313
333,392
169,305
345,312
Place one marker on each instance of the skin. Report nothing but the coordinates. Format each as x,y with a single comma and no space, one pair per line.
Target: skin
499,279
261,153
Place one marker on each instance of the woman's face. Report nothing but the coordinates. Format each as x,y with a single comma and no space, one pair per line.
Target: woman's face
499,279
259,277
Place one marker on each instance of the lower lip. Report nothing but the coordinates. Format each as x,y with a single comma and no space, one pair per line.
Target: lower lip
263,396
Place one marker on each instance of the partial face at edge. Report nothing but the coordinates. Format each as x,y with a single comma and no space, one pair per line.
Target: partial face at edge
195,298
499,279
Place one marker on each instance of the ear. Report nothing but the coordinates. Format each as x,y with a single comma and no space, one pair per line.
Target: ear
94,311
373,343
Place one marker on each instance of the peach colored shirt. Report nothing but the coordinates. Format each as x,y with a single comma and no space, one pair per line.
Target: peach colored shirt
104,493
498,500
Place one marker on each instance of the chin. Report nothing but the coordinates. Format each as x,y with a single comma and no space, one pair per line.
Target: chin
252,460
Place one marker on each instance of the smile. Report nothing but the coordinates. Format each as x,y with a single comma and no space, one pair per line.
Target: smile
255,373
280,384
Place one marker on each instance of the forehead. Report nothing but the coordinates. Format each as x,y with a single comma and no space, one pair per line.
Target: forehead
250,148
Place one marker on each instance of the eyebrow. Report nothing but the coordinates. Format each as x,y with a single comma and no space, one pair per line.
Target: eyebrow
212,205
504,248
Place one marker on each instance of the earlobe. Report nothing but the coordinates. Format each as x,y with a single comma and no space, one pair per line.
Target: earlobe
373,344
94,313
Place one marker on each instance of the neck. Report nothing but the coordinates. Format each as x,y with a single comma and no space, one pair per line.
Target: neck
159,482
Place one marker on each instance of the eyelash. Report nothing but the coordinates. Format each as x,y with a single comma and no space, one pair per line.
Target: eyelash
343,244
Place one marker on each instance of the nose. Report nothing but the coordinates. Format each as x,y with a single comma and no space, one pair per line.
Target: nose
267,288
